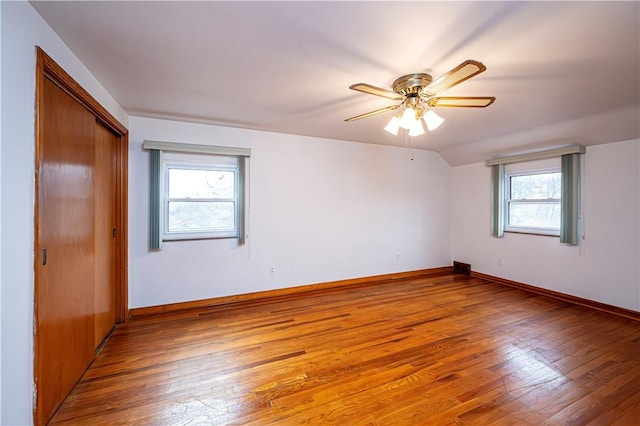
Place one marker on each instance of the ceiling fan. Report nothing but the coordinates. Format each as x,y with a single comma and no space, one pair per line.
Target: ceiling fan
418,93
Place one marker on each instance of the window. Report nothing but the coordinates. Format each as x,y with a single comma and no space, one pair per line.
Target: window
200,196
532,201
537,193
196,192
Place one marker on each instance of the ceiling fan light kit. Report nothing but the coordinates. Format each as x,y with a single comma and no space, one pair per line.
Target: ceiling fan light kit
411,120
408,118
433,120
393,126
418,94
416,128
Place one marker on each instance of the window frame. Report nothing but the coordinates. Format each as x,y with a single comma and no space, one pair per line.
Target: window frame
198,161
507,202
570,158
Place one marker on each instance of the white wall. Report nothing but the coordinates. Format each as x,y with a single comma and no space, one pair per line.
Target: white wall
23,29
603,268
320,210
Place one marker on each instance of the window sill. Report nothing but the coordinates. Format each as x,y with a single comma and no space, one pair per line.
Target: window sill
531,233
186,237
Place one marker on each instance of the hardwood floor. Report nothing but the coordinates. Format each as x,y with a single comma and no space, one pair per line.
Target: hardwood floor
433,350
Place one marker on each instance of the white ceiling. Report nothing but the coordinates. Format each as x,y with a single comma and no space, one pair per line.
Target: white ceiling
562,72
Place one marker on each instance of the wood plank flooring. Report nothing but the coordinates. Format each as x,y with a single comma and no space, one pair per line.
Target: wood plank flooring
434,350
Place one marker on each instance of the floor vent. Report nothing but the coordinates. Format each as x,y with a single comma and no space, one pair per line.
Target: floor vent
461,268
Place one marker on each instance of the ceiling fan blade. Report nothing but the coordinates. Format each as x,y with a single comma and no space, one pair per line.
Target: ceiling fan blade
462,102
369,114
378,91
462,72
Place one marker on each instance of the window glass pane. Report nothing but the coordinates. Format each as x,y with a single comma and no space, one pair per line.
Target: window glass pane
195,216
540,215
536,187
189,183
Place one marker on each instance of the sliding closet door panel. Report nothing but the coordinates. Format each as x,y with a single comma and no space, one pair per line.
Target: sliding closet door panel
105,220
65,299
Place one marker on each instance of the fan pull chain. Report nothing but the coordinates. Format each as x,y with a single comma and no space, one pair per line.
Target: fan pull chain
406,144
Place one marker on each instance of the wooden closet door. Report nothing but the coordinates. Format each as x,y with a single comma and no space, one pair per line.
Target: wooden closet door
105,228
65,296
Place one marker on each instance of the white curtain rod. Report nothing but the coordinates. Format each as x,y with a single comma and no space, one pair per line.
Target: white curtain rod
194,148
540,155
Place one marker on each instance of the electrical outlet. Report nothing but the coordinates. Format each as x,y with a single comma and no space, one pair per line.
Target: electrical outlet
499,261
272,270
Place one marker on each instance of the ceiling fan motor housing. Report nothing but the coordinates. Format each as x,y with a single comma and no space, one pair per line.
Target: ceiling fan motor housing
410,85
